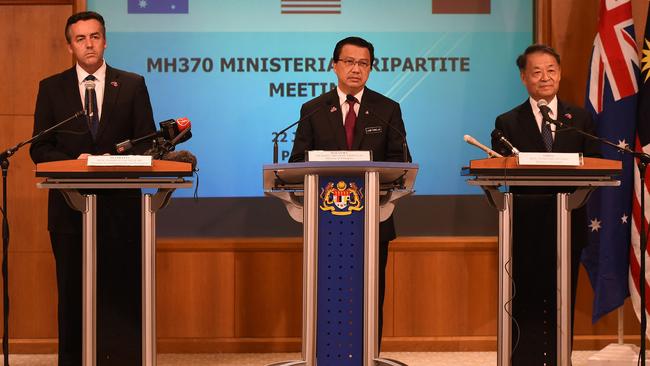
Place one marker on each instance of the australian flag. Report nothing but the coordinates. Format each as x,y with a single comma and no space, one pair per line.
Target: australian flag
612,99
158,6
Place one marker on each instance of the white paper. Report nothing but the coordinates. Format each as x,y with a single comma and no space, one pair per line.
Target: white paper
552,159
119,160
338,155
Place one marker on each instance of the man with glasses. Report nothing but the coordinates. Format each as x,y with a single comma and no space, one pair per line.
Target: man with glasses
353,117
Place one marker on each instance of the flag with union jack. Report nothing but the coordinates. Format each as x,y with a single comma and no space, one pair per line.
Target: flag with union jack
642,144
611,97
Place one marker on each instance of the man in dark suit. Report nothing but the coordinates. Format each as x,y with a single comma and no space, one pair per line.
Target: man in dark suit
353,117
534,241
119,109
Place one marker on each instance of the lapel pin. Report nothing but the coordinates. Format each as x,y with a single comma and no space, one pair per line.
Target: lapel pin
114,84
367,112
333,109
568,116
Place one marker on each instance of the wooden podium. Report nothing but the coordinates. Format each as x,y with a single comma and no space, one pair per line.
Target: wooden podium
490,175
69,176
340,205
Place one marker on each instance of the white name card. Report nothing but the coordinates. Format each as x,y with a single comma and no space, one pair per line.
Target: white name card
558,159
119,160
338,155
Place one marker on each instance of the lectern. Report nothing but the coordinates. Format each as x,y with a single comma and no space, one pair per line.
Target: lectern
69,176
490,175
340,205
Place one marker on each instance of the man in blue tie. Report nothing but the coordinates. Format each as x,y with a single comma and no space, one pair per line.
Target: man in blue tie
534,227
117,108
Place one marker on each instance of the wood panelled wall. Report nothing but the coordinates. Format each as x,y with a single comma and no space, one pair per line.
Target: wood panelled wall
243,295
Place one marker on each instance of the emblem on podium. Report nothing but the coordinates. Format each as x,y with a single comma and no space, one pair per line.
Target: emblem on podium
341,199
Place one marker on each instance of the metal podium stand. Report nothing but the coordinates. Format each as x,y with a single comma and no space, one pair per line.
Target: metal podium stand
69,177
490,174
297,185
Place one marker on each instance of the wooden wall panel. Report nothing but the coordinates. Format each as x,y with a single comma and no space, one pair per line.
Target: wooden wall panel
33,47
445,293
195,295
268,294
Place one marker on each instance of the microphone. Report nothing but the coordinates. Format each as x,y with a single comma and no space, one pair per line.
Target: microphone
497,134
90,88
472,141
542,104
405,150
174,130
277,134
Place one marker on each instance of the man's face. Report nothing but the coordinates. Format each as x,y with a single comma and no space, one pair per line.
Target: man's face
541,76
87,44
352,68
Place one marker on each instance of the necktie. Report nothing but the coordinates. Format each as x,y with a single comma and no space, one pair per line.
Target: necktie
547,136
93,119
350,121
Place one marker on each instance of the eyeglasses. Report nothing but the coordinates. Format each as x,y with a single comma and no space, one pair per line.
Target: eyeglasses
349,62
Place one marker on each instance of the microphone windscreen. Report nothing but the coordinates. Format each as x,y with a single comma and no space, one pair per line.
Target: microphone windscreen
183,156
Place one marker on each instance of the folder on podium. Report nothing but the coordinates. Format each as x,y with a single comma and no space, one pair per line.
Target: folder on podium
340,205
491,175
69,176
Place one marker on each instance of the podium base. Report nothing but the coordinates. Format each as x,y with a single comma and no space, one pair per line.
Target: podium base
288,363
389,362
616,355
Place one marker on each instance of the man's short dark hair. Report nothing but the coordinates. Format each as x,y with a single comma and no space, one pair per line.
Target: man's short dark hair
84,15
523,58
355,41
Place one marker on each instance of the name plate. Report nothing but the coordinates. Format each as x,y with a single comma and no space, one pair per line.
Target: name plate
557,159
338,155
119,160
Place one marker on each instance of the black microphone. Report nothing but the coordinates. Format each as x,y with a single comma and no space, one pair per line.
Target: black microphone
388,124
90,88
542,104
175,130
306,116
497,134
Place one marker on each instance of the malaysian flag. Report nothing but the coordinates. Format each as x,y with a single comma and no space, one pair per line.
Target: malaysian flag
611,97
642,144
158,6
460,6
310,6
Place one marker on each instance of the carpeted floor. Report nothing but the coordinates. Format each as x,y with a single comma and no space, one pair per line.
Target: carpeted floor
261,359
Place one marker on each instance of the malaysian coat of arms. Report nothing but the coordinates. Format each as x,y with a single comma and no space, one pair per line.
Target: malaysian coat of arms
341,199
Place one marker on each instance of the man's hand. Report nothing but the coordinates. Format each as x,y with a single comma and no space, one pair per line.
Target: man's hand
83,156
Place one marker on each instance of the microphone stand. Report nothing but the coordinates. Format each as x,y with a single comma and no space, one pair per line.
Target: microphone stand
275,140
4,163
643,161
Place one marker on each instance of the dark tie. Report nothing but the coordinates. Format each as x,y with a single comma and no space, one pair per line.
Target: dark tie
350,121
93,119
547,136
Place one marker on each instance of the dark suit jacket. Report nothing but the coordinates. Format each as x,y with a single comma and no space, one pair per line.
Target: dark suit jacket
519,126
126,114
379,128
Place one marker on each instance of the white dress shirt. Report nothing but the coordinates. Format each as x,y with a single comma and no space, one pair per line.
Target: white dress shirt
343,102
100,76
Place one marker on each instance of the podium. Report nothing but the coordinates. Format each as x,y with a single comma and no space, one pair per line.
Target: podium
340,205
70,176
490,174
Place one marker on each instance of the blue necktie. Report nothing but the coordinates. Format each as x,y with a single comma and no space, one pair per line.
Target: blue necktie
93,119
547,136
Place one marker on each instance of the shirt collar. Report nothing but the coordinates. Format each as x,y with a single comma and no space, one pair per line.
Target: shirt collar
552,105
343,97
100,74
